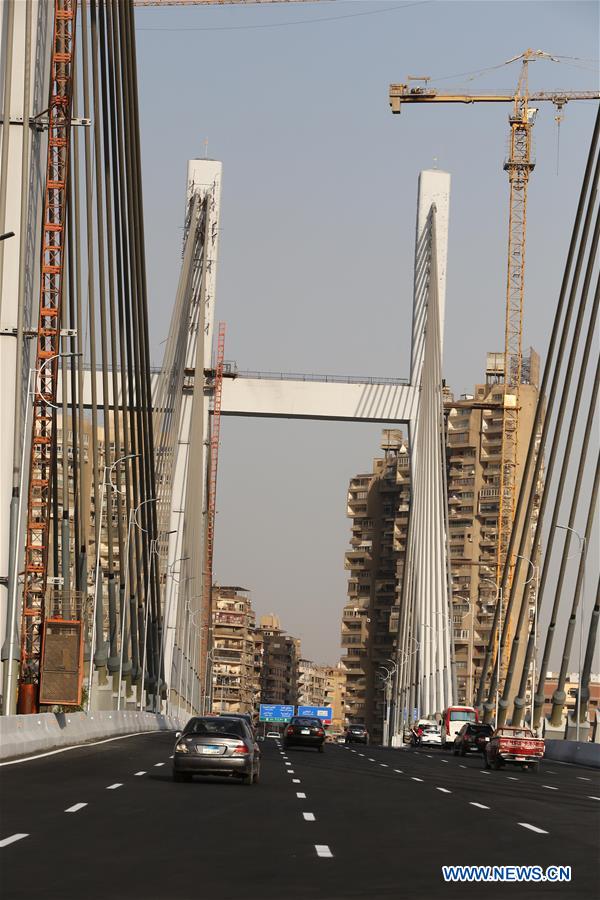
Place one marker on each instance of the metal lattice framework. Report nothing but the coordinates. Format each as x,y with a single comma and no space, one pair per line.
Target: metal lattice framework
43,444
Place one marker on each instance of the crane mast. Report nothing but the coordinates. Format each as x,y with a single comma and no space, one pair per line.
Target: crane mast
43,438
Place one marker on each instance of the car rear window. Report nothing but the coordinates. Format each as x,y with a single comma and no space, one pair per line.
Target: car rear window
305,721
480,729
214,726
357,728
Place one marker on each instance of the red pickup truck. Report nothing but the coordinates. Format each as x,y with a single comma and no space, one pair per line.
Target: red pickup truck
513,745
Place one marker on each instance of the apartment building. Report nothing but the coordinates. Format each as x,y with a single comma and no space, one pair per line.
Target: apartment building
473,455
312,683
235,647
335,695
280,655
378,506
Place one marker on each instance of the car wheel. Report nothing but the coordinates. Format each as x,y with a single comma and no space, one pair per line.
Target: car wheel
486,761
257,776
496,765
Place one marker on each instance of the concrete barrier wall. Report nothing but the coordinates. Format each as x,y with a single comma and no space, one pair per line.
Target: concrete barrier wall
577,752
27,735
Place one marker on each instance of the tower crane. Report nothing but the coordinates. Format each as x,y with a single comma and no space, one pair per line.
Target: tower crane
519,166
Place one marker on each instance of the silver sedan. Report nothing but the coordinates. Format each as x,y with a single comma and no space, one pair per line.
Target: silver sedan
216,745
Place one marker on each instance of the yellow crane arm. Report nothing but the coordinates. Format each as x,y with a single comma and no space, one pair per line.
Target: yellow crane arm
403,93
215,2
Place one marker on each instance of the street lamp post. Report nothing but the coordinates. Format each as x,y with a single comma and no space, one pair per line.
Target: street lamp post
132,521
534,576
582,552
97,567
498,600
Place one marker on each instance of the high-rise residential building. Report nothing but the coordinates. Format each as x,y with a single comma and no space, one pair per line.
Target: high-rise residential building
280,655
235,682
473,455
378,505
312,683
335,696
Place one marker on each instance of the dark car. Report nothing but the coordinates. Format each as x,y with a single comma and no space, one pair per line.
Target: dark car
357,734
472,736
304,731
247,718
216,745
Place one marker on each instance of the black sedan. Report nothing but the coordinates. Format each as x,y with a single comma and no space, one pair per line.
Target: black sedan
472,736
304,731
216,745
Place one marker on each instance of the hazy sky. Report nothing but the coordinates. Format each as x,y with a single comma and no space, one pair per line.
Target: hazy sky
317,241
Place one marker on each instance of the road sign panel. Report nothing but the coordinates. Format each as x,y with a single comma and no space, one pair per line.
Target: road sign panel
318,712
275,712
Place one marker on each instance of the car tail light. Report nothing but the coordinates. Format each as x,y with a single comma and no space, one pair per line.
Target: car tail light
290,730
241,748
320,731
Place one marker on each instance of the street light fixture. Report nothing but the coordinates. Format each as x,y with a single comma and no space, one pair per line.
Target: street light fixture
583,555
533,577
132,521
97,569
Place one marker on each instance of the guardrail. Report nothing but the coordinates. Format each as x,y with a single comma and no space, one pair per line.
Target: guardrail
27,735
580,753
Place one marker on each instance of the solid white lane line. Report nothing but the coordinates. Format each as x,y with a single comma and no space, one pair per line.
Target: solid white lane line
416,779
158,764
139,773
12,839
385,765
323,851
532,828
121,737
444,790
113,787
478,805
296,781
76,807
300,795
399,771
549,787
308,817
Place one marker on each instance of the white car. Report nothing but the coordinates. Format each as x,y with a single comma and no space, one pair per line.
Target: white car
431,736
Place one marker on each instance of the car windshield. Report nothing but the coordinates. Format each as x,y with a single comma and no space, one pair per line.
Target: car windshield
431,729
480,729
215,726
306,722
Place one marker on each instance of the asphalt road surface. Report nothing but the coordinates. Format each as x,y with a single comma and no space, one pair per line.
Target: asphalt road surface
108,822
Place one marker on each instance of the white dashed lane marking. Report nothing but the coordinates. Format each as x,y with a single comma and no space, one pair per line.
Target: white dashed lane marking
308,817
11,840
462,767
444,760
295,781
371,760
399,771
478,805
290,771
512,778
384,765
593,798
139,773
323,851
581,778
113,787
416,779
483,772
532,828
549,787
444,790
300,795
76,807
158,764
428,756
362,754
